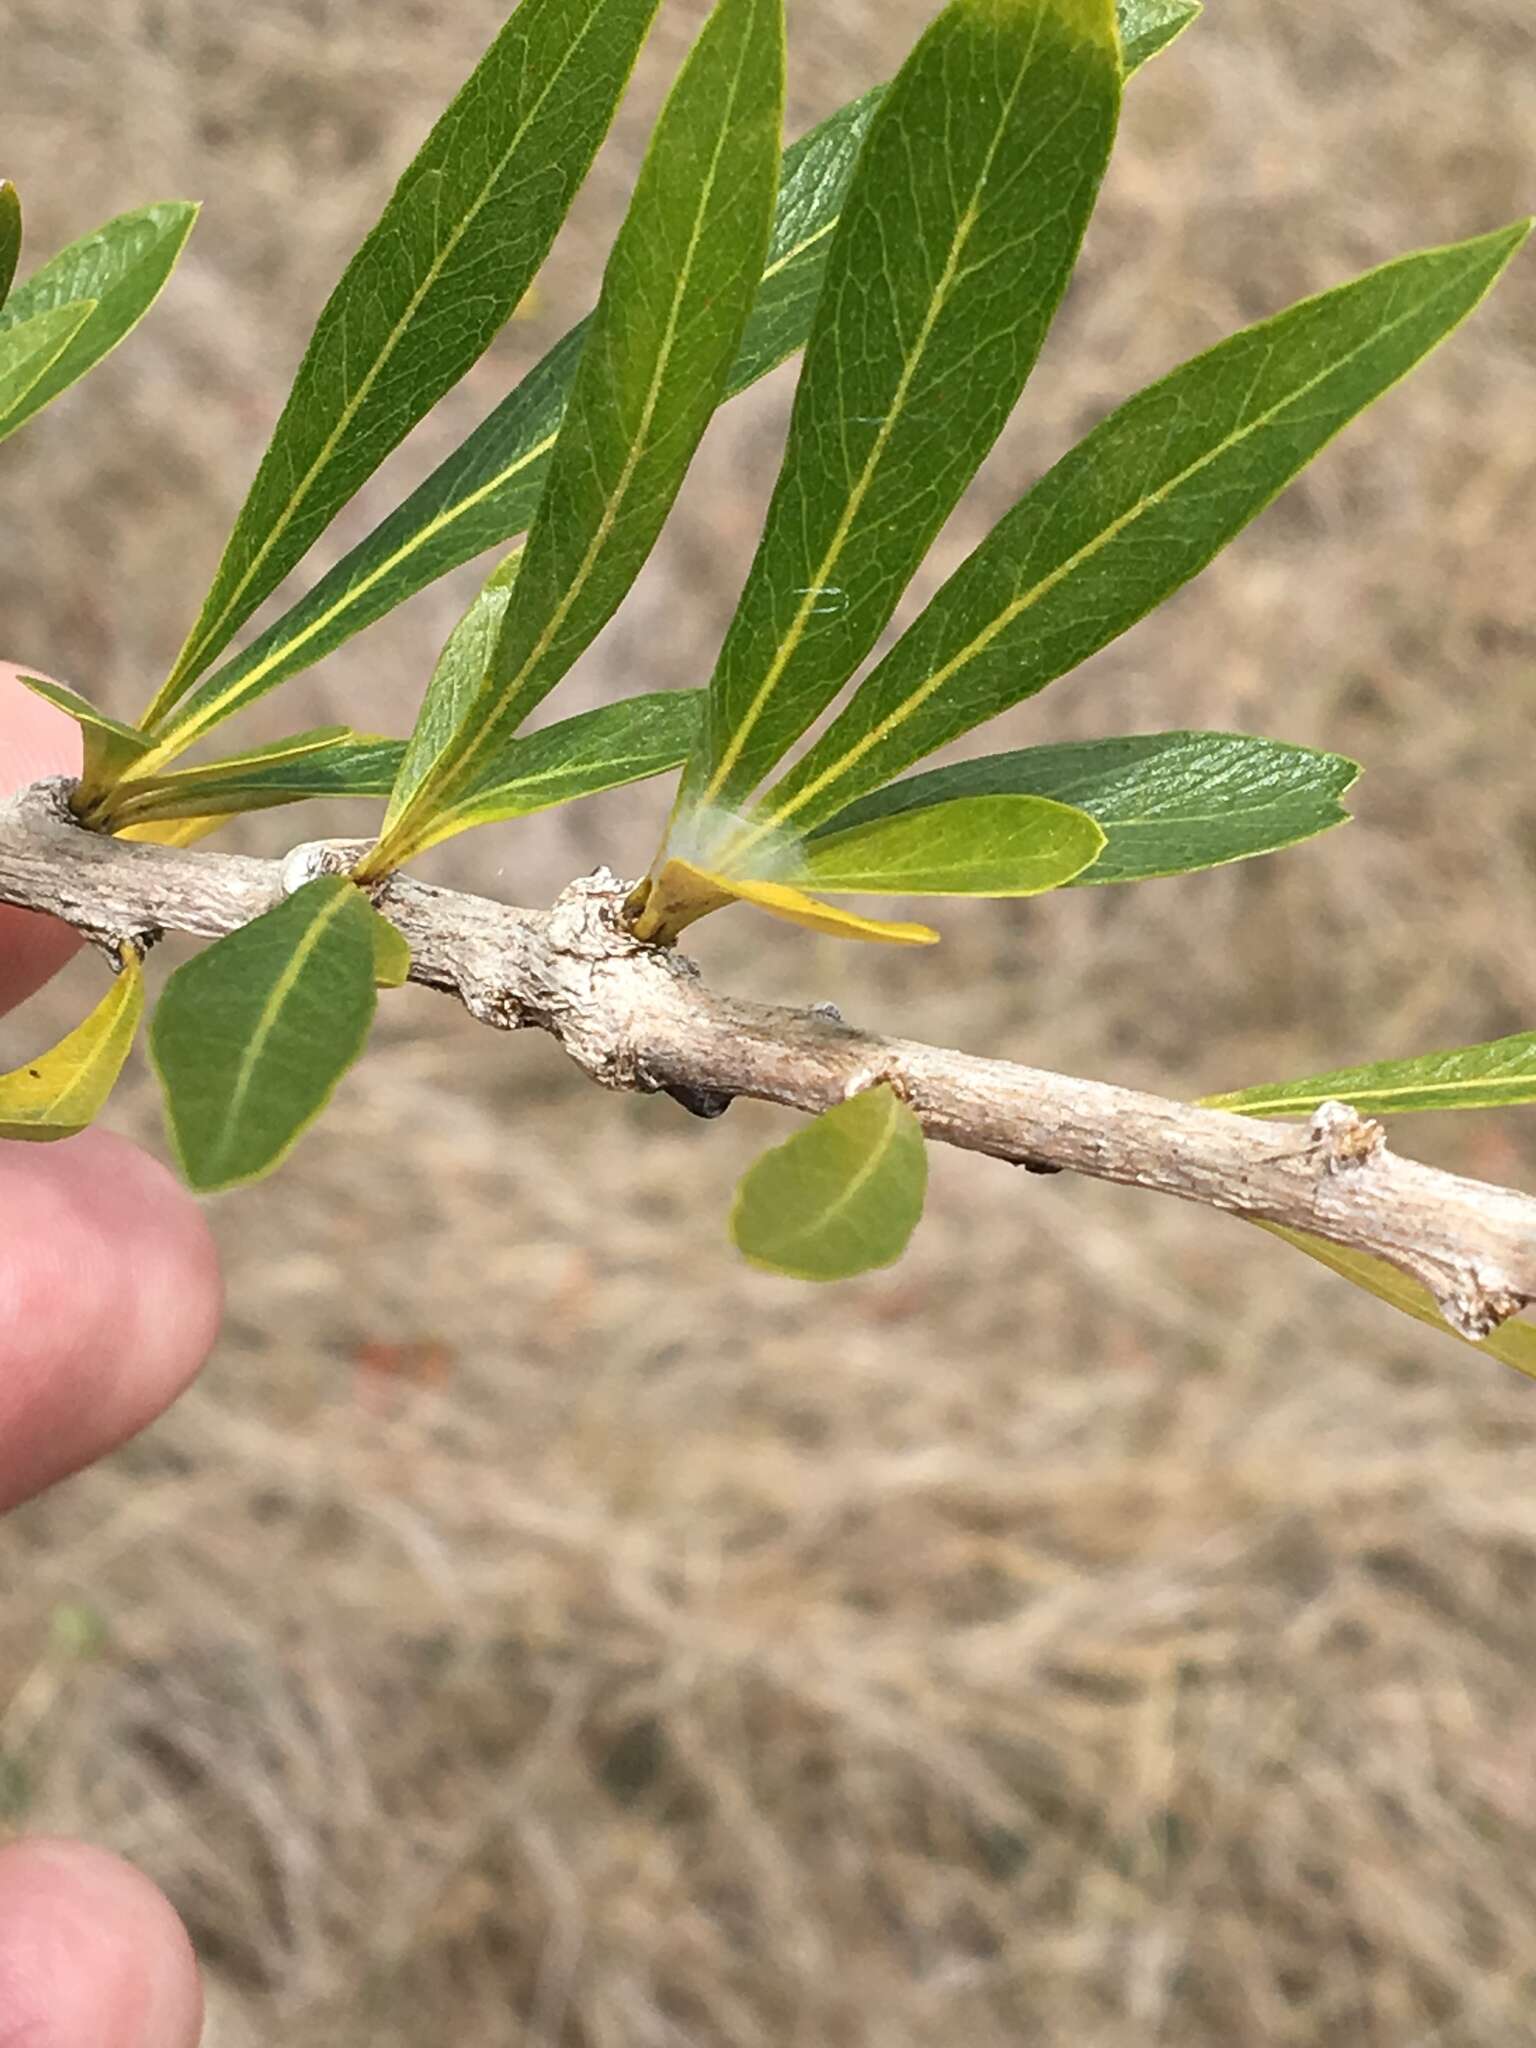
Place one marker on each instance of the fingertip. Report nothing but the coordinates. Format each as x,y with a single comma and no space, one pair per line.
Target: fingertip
36,739
92,1955
109,1302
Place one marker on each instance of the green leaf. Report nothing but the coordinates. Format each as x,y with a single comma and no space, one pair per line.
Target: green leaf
1133,512
454,250
1149,26
970,846
675,296
1169,802
960,230
580,756
662,907
63,1090
331,761
1497,1075
391,954
10,235
251,1036
110,746
1513,1343
120,269
487,490
841,1196
28,349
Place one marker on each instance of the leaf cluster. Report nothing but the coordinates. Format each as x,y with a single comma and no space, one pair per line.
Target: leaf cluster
915,248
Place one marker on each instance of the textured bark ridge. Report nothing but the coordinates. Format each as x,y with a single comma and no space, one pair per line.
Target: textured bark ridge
633,1017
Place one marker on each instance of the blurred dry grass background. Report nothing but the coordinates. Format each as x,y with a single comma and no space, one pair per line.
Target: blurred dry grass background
1105,1629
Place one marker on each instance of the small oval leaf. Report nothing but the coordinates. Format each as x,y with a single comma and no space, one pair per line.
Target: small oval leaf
841,1196
63,1090
252,1035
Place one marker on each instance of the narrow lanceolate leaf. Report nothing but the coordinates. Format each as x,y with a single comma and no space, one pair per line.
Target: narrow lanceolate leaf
1512,1343
960,230
110,746
1169,803
665,904
453,252
1497,1075
971,846
1148,26
332,761
1133,512
65,1089
252,1035
120,268
27,352
487,490
10,235
675,296
841,1196
579,756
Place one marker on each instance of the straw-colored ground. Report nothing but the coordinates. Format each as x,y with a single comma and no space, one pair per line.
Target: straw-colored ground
1103,1629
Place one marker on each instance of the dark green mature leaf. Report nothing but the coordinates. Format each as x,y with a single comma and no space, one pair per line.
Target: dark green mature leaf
61,1091
27,351
120,269
10,235
970,846
960,230
841,1196
1133,512
330,761
675,297
1497,1075
251,1036
453,252
1169,802
1512,1343
486,491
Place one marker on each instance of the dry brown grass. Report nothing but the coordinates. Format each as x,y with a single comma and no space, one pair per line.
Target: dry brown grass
1102,1629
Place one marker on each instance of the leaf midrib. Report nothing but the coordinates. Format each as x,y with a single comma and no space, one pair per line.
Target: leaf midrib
859,1181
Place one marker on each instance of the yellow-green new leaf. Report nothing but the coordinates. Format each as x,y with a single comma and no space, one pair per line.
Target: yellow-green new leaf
63,1090
1497,1075
28,351
1513,1343
110,746
455,250
972,846
251,1036
840,1197
680,893
391,954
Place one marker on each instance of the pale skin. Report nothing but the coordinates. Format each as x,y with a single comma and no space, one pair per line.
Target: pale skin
109,1300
